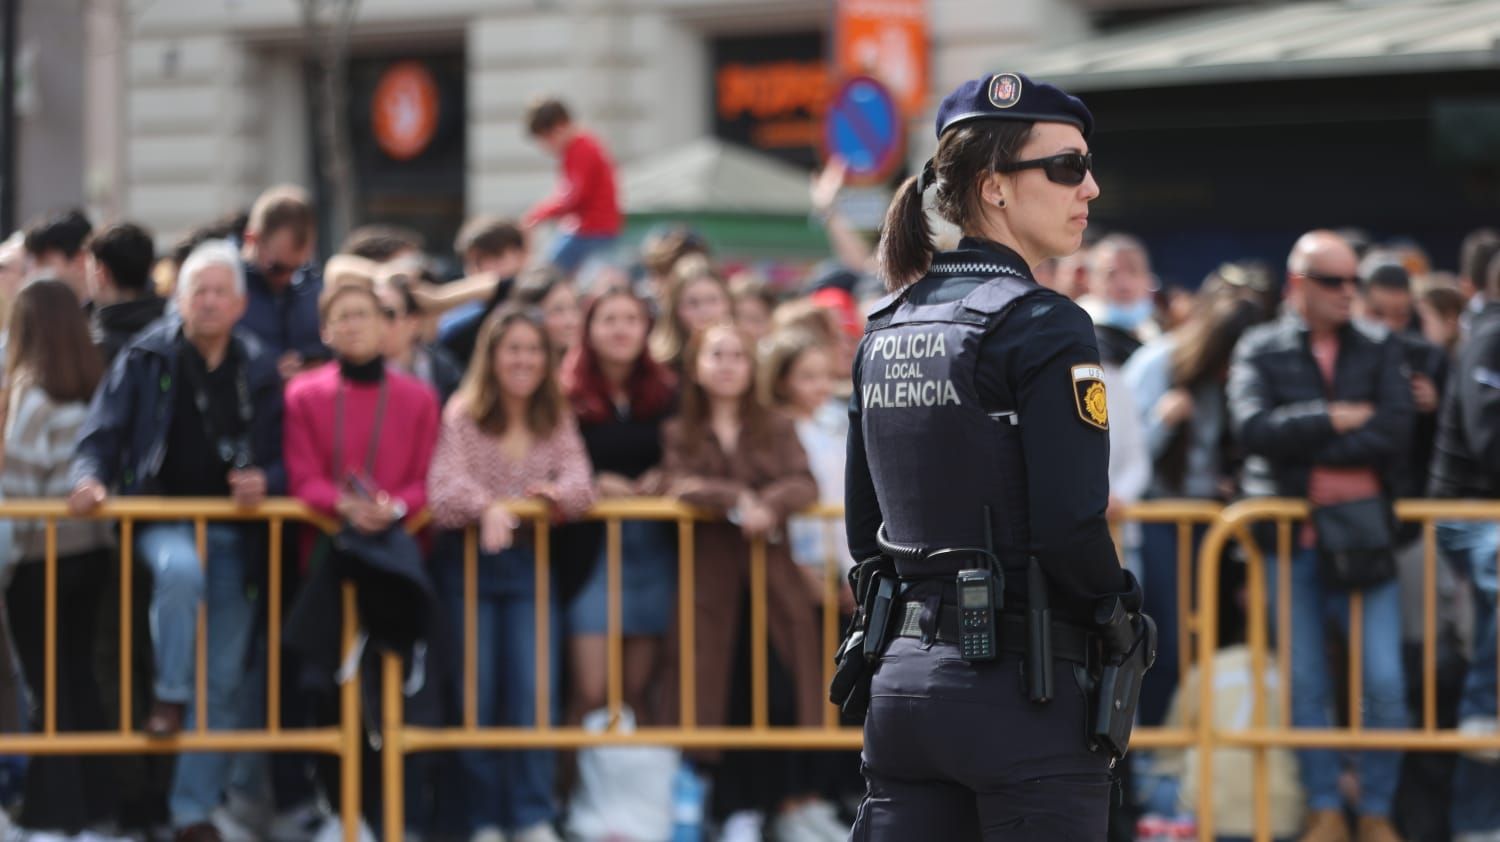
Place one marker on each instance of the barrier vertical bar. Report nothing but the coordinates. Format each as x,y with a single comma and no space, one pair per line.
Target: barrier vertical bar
830,618
273,629
1208,584
1284,629
1187,619
1260,783
760,698
614,614
1429,625
350,743
127,603
393,750
543,624
200,648
685,606
471,628
1356,658
49,646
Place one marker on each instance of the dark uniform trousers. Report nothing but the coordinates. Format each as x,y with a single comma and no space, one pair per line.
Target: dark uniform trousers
955,751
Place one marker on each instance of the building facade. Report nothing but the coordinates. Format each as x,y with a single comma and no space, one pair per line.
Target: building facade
216,104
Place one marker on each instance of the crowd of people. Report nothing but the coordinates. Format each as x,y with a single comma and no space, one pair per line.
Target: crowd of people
237,366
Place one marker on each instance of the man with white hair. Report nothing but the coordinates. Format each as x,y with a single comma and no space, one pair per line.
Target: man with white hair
191,408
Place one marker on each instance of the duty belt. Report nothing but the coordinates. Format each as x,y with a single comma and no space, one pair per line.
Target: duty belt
1069,642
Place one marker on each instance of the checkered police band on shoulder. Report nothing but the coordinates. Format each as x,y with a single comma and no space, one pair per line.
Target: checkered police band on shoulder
1012,96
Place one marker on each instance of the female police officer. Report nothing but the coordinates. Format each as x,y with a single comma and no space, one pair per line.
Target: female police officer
977,464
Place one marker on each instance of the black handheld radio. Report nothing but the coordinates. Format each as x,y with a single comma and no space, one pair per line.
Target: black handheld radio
980,595
976,612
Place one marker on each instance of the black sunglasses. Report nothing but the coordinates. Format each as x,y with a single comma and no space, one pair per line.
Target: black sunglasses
1069,168
1330,281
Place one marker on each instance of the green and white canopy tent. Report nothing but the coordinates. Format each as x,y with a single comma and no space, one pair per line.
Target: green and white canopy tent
748,205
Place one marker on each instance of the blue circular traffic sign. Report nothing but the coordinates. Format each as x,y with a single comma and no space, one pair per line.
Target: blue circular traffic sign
864,128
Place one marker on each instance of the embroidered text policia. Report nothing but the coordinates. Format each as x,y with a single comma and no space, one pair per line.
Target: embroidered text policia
899,380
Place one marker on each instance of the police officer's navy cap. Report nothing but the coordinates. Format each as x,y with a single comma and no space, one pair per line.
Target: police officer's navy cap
1012,96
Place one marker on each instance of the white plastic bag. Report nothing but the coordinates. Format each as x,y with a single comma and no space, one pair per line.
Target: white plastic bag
624,793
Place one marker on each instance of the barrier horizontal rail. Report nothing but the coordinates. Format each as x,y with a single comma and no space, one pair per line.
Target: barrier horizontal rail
1235,523
402,739
341,739
1226,525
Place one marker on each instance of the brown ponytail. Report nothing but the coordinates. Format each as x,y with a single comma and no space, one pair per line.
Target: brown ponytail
905,249
964,154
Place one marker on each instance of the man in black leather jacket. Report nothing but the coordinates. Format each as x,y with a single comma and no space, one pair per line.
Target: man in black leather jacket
1466,463
1322,406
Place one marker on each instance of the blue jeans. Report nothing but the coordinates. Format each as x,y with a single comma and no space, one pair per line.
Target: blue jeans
179,584
510,790
1471,547
1384,702
568,251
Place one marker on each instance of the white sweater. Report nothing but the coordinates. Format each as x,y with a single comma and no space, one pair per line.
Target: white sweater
39,445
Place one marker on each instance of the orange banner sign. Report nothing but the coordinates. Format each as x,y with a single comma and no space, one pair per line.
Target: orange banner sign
885,39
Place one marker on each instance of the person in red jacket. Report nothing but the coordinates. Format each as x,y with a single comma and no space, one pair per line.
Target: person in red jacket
586,203
359,435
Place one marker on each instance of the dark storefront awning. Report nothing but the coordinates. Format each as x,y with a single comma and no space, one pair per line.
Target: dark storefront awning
1284,41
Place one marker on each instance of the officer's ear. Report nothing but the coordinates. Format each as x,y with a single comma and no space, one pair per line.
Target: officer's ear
993,189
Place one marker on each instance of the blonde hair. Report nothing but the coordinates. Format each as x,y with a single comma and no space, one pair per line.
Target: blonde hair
670,337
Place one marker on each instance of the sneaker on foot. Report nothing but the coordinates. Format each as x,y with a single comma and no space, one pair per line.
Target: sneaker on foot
1480,726
822,818
333,831
541,832
298,824
487,834
249,813
743,826
231,827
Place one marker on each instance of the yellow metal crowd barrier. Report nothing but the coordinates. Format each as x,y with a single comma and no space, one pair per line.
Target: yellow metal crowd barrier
1197,608
1234,524
342,740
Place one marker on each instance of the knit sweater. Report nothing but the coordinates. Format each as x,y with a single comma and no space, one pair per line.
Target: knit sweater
408,433
470,471
39,437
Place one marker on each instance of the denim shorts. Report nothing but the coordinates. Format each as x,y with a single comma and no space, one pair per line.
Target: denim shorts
648,583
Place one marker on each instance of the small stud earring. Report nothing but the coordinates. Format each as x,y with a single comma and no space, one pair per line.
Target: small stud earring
1000,203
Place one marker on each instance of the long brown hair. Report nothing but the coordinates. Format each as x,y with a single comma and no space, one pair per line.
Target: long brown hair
670,336
479,393
1226,307
50,344
964,155
695,404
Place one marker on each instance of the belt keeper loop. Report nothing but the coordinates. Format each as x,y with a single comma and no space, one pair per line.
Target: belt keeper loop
931,605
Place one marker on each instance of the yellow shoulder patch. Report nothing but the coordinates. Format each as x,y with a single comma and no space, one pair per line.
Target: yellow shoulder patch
1089,396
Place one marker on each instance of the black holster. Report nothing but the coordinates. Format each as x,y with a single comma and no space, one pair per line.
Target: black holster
1129,651
875,586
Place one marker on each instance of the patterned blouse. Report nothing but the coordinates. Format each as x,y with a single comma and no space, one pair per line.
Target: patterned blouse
469,470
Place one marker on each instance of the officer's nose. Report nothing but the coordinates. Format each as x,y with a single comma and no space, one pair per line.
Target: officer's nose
1090,187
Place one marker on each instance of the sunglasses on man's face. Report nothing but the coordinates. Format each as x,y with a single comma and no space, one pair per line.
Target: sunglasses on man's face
1330,281
1069,168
